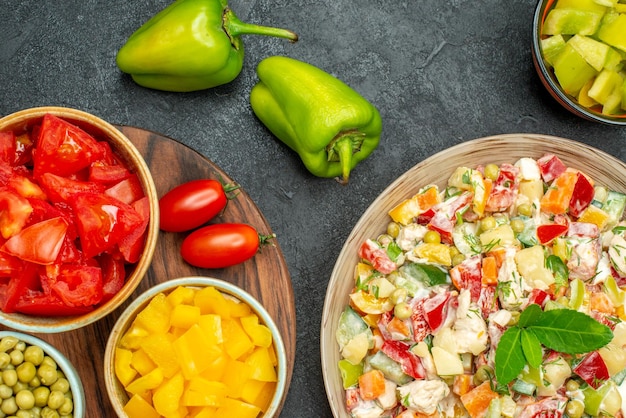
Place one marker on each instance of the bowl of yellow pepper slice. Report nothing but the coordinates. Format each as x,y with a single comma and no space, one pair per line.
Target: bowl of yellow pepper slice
192,346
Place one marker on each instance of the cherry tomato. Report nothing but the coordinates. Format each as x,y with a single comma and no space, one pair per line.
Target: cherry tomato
221,245
192,204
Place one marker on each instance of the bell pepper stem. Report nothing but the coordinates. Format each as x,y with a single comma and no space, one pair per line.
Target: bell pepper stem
235,27
342,148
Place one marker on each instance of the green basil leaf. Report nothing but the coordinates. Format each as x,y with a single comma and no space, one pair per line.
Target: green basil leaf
509,356
530,315
531,348
572,332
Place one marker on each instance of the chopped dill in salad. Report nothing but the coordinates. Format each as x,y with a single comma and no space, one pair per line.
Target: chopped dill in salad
500,295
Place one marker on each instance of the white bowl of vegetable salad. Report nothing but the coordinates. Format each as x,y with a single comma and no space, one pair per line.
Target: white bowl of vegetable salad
488,280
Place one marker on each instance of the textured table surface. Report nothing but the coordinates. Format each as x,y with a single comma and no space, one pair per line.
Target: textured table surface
440,71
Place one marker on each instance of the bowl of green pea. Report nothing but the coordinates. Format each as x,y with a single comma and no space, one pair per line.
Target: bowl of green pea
36,379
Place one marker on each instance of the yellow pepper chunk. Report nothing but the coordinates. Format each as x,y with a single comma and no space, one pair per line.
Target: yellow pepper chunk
595,215
260,334
123,370
204,392
236,408
156,316
194,352
211,301
238,341
184,316
238,373
145,383
434,253
258,393
182,295
166,398
211,325
261,366
141,362
138,407
160,350
404,212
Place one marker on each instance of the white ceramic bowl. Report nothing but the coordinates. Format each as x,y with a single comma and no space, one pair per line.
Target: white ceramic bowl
115,389
76,385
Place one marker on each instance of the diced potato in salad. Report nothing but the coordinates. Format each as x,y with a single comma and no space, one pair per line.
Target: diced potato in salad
456,269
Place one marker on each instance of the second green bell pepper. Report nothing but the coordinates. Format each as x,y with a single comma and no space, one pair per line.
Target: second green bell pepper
190,45
329,125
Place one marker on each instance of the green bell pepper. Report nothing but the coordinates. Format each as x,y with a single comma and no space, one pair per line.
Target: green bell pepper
190,45
329,125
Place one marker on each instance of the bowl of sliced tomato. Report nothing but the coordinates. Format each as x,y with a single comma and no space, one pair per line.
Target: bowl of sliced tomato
79,219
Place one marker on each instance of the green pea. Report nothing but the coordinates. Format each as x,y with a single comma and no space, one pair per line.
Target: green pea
34,354
41,396
49,361
26,372
21,345
47,374
432,237
5,392
9,377
49,413
67,407
62,385
492,171
393,229
56,399
572,385
458,259
5,360
488,223
9,406
575,408
25,399
402,310
525,209
17,357
517,225
8,343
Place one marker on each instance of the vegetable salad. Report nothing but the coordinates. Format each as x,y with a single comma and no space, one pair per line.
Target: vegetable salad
497,295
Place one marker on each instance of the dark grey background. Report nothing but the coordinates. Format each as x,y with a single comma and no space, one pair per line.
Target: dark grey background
440,71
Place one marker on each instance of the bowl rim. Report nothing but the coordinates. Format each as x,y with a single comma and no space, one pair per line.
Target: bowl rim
127,316
108,132
328,346
548,79
76,384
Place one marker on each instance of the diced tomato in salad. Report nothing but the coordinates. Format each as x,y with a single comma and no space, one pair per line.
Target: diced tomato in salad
542,234
73,219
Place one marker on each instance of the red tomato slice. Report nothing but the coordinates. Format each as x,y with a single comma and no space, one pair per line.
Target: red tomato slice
128,190
7,147
113,275
39,243
60,189
107,174
63,148
220,245
102,221
14,212
41,304
27,278
192,204
76,285
132,244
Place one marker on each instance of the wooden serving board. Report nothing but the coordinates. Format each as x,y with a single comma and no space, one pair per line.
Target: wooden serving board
265,276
